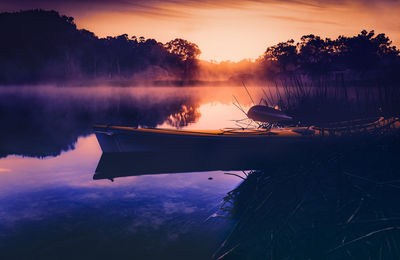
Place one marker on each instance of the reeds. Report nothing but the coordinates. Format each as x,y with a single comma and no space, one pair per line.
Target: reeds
336,204
322,100
340,202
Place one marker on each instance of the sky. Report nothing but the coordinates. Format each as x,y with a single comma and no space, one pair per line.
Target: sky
226,29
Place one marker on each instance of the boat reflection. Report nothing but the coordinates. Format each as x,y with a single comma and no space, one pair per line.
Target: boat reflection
113,165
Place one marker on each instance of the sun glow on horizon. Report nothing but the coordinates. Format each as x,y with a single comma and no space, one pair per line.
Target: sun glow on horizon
242,30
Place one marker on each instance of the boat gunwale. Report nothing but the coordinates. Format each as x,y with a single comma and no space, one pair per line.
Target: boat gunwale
227,133
311,132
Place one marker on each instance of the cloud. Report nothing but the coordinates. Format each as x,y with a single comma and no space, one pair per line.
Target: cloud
302,20
177,9
164,7
221,28
178,207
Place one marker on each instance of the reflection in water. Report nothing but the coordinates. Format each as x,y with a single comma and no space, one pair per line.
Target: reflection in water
43,121
183,117
114,165
47,121
52,209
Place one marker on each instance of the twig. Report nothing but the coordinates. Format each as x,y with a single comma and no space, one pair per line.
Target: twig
355,212
248,93
363,237
234,174
227,252
225,241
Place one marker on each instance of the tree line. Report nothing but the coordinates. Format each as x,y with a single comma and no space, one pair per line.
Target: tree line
40,46
365,52
43,46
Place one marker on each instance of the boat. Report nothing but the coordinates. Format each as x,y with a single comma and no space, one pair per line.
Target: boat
129,139
116,139
267,114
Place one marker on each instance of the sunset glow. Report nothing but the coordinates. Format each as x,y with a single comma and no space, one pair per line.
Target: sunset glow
199,129
239,32
227,30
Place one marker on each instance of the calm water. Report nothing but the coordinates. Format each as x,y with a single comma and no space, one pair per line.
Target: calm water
50,206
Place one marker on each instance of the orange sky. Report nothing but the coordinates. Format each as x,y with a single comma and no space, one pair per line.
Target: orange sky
228,30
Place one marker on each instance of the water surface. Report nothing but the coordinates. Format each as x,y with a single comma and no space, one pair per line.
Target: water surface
50,206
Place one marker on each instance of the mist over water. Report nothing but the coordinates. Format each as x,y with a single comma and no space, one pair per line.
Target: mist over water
50,203
44,121
321,186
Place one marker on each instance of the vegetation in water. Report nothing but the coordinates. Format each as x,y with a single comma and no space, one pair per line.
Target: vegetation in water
338,203
324,101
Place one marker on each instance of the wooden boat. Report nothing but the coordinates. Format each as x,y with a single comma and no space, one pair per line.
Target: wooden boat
129,139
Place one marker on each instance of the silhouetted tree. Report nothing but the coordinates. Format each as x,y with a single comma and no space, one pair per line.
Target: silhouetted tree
314,53
316,56
39,46
187,52
284,54
43,46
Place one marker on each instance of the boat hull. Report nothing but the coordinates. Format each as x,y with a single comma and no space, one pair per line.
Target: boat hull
120,139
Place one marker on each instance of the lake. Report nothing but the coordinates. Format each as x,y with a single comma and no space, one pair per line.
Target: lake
52,208
61,198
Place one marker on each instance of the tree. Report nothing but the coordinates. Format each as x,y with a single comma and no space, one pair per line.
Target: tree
315,54
187,52
184,49
284,54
